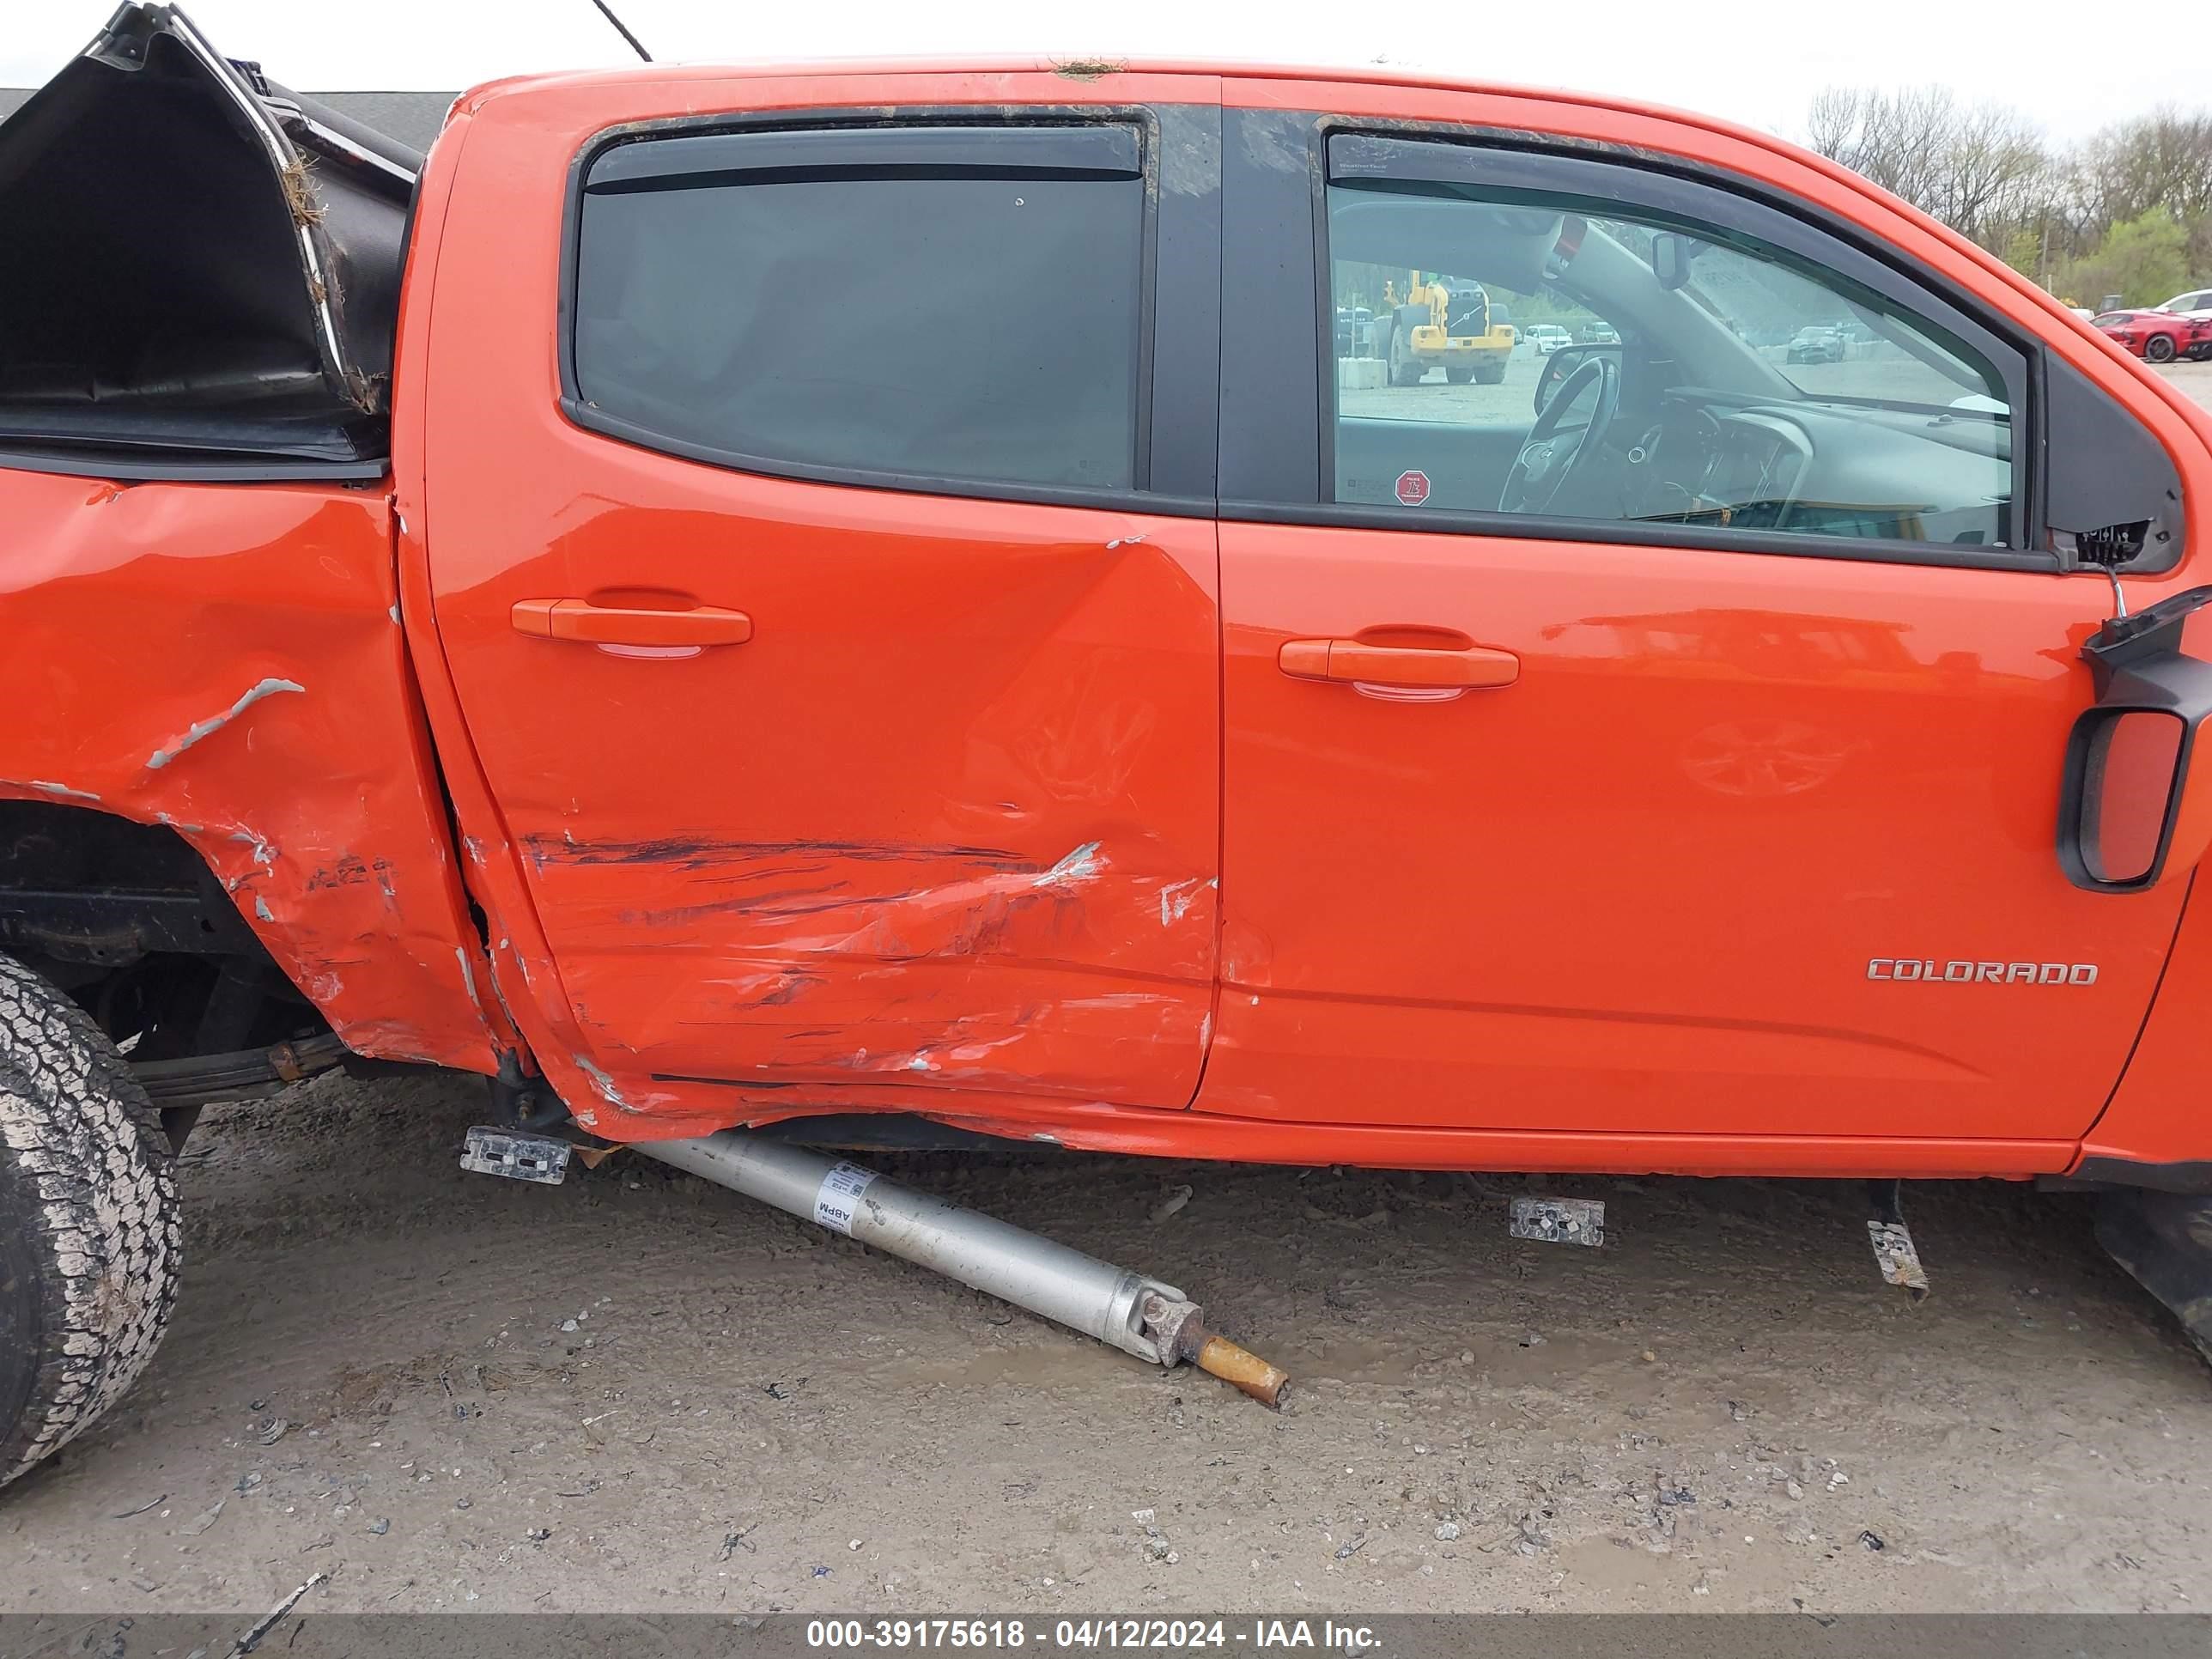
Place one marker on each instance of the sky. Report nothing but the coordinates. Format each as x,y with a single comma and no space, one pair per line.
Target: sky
1755,61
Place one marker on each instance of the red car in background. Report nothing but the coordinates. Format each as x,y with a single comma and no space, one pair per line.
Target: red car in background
2160,337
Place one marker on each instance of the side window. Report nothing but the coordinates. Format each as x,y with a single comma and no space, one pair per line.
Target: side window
916,307
1676,356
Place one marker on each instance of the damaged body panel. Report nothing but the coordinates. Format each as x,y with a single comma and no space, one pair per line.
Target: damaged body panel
777,866
222,660
934,822
215,271
774,759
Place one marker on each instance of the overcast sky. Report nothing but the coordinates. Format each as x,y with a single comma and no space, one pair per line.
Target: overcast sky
1756,61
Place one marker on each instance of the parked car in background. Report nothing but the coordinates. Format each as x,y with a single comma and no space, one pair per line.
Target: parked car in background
2196,303
2159,336
1599,334
1548,336
1816,344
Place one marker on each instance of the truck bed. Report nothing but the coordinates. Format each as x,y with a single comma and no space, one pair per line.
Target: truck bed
201,273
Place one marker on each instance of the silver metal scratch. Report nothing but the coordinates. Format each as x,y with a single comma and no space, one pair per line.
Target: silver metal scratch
468,979
1080,865
209,727
1177,897
264,853
602,1082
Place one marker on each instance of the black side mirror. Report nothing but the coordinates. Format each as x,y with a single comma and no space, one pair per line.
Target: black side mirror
2133,808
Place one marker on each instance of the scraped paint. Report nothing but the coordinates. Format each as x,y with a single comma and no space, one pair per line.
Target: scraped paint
602,1082
468,977
200,730
1081,865
1177,897
266,589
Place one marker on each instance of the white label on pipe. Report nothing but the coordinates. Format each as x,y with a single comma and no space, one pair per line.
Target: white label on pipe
838,1201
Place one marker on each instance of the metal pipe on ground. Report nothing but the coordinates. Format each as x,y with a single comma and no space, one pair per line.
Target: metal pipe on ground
1138,1314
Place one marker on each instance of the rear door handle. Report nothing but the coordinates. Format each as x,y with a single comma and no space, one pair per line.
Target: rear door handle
606,624
1415,667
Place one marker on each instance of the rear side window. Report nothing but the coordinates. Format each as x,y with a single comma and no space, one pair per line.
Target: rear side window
931,306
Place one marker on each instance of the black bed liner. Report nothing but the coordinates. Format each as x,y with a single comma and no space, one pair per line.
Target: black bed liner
199,270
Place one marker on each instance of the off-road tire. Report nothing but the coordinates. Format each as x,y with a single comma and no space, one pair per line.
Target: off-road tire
1490,374
2164,1242
88,1225
1405,369
2160,348
1459,374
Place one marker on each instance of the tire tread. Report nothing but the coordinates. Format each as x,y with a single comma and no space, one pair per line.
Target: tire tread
88,1186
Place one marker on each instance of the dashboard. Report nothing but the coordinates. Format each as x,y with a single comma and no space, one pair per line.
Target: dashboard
1817,467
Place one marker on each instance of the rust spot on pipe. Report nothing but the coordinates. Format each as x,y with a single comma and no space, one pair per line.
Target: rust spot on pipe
1219,1357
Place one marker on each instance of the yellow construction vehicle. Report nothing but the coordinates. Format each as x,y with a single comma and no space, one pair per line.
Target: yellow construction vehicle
1440,323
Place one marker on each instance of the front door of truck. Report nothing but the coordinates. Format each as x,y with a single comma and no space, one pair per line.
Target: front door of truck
839,636
1685,758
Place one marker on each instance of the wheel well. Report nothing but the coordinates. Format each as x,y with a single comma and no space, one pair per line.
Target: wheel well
128,919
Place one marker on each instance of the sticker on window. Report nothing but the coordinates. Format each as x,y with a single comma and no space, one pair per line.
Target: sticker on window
1413,489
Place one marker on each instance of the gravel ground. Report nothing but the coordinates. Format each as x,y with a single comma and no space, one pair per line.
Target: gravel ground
639,1392
2195,379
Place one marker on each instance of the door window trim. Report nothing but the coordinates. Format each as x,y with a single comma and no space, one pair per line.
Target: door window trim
1425,152
951,140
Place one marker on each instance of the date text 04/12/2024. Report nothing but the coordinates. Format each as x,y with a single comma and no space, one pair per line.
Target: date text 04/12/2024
1165,1635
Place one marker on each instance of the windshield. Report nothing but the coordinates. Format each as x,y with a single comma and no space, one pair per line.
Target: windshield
1767,304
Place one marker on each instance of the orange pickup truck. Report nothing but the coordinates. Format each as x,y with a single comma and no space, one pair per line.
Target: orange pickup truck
730,597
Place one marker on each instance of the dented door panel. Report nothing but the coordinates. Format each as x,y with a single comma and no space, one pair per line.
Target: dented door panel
939,827
227,659
948,818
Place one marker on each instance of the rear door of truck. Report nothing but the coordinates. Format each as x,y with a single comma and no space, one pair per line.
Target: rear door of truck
818,507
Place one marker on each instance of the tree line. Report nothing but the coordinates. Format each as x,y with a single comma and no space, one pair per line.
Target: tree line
2127,211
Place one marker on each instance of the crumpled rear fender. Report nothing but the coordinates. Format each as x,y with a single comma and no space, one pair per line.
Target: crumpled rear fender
227,659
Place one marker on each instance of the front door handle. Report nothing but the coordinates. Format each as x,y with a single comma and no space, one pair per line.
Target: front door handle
1415,667
614,624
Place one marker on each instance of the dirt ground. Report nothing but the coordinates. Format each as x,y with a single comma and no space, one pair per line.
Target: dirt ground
640,1392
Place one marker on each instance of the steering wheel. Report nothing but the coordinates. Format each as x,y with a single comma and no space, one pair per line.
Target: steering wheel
1554,452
